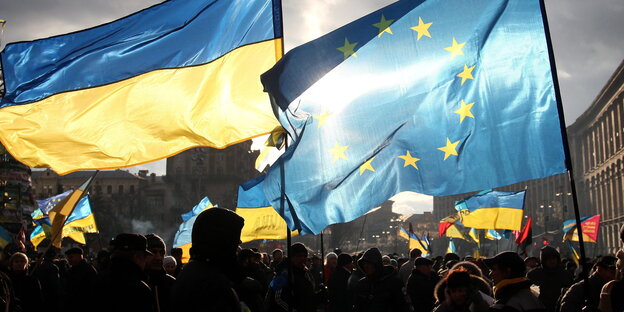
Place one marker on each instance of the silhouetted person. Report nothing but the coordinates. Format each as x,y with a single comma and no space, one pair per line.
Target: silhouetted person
421,284
124,287
157,278
551,277
573,300
177,253
511,288
406,269
27,288
339,298
300,293
381,288
207,281
49,277
78,280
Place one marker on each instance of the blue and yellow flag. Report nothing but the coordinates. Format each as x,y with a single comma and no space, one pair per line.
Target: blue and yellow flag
183,237
435,97
415,242
492,235
493,210
79,222
261,220
451,247
589,226
5,237
176,75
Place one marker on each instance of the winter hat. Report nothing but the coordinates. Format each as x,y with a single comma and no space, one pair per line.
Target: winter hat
217,227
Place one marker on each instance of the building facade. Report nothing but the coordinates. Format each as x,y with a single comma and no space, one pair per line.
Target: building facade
598,160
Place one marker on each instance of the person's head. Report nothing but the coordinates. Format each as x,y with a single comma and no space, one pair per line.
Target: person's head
622,234
531,263
331,260
345,261
423,265
74,255
385,260
571,266
549,257
458,286
505,265
619,265
468,266
277,255
415,253
170,263
177,254
132,247
246,257
18,262
299,254
51,253
156,245
605,268
216,235
394,263
371,262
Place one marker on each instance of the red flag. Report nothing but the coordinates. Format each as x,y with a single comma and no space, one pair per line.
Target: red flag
525,235
447,223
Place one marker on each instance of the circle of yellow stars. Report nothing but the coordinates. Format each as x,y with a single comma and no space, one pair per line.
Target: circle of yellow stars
455,50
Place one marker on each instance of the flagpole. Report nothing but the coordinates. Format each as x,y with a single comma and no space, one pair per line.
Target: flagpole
566,146
322,259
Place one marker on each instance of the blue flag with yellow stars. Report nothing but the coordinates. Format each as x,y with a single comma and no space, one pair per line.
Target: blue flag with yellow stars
435,97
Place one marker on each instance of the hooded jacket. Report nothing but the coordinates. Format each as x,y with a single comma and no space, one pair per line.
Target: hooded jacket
514,295
550,280
382,291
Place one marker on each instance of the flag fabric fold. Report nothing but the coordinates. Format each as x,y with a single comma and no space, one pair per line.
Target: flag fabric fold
408,98
589,226
525,237
183,237
415,242
65,208
102,94
261,220
492,235
493,210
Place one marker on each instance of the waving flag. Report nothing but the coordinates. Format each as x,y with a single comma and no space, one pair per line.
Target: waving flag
446,223
493,210
176,75
492,235
261,220
437,97
589,226
451,247
183,236
415,242
79,222
61,213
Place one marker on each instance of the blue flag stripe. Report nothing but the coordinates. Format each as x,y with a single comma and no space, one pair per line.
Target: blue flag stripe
142,42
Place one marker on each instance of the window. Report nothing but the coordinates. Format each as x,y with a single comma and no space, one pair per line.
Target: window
131,189
109,189
121,189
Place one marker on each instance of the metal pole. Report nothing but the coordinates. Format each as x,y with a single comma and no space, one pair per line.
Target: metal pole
566,148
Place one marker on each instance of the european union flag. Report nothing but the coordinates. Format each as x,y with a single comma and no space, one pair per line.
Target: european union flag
435,97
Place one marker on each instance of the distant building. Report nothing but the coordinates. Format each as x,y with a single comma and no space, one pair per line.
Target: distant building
597,142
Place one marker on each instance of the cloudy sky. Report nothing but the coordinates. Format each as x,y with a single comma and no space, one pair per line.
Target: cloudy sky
588,36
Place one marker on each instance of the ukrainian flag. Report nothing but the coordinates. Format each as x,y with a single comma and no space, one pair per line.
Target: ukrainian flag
589,227
5,237
171,77
414,242
79,222
261,220
493,210
183,237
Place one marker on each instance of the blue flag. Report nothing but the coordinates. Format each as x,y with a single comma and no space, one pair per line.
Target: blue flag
435,97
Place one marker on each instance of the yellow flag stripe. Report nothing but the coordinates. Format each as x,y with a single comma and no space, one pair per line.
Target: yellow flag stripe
147,117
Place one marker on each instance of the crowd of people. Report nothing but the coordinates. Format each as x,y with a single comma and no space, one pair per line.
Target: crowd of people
136,274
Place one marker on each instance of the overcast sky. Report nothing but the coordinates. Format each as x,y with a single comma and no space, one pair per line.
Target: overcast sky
588,36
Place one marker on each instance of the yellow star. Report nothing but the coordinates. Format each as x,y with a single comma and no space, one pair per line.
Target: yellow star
456,48
449,149
347,49
422,29
367,166
384,26
466,74
464,111
339,151
322,118
409,160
